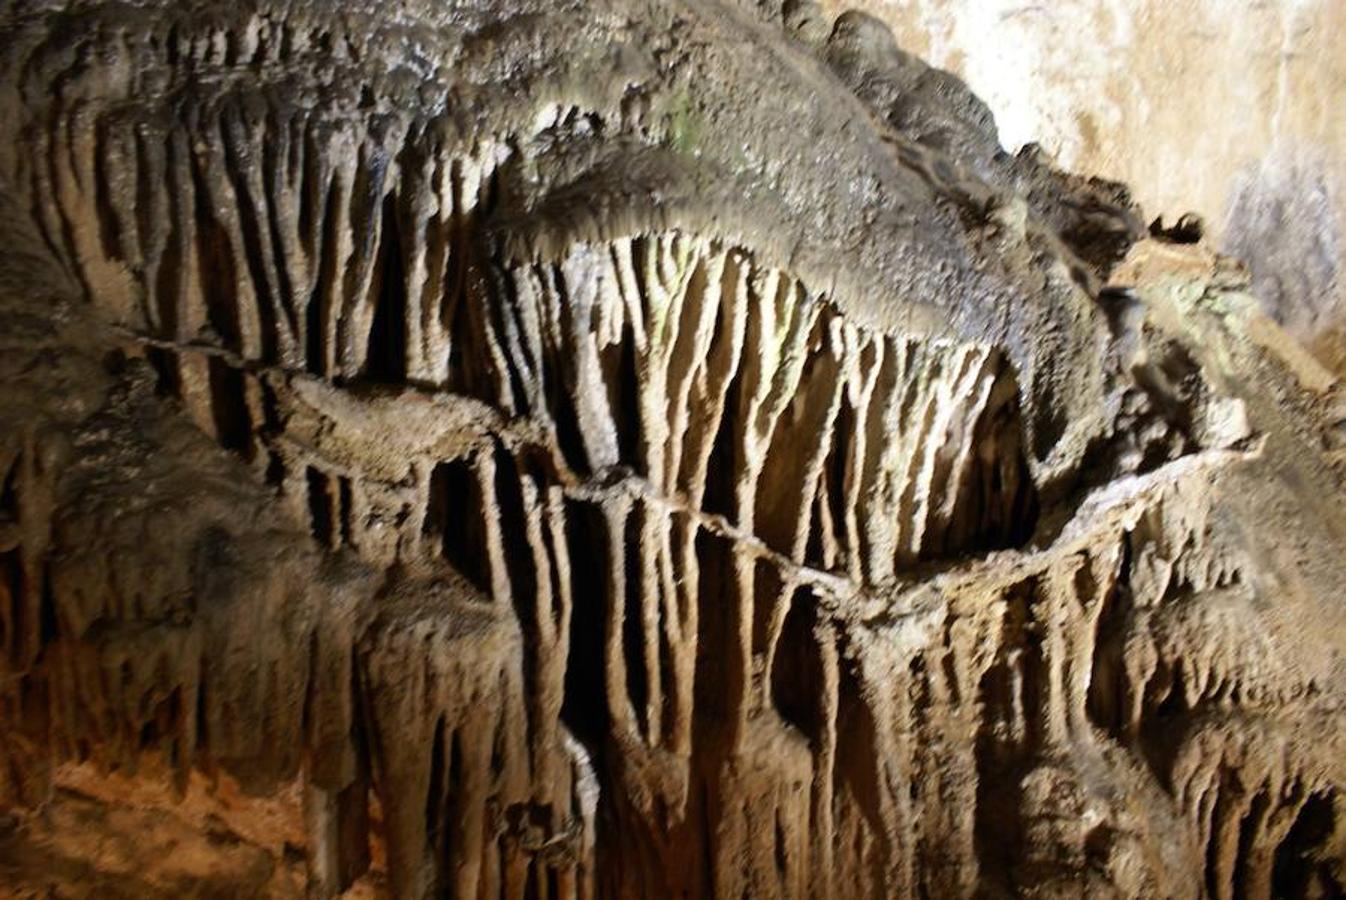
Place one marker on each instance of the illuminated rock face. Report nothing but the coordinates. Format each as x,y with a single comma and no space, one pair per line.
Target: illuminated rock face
640,450
1143,91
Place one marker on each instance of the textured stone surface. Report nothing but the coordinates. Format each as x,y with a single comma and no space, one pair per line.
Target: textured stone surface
1230,109
652,449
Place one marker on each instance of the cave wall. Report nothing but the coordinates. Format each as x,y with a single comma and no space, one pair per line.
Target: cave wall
545,465
1233,110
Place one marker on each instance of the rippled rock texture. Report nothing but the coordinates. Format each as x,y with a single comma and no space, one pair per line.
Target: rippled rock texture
631,449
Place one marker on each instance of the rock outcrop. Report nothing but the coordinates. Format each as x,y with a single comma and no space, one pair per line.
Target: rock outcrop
637,449
1230,111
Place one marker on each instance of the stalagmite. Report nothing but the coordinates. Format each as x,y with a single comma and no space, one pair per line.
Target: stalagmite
647,449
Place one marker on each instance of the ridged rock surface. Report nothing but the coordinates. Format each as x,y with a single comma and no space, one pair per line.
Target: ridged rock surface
631,449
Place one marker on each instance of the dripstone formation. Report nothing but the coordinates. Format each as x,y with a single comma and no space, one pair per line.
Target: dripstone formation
637,449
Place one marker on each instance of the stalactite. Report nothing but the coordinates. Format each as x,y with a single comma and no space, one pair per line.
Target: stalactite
582,481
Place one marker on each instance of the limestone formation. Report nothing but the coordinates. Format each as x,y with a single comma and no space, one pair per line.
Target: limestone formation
631,449
1233,110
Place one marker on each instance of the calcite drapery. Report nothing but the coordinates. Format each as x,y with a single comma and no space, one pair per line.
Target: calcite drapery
598,460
